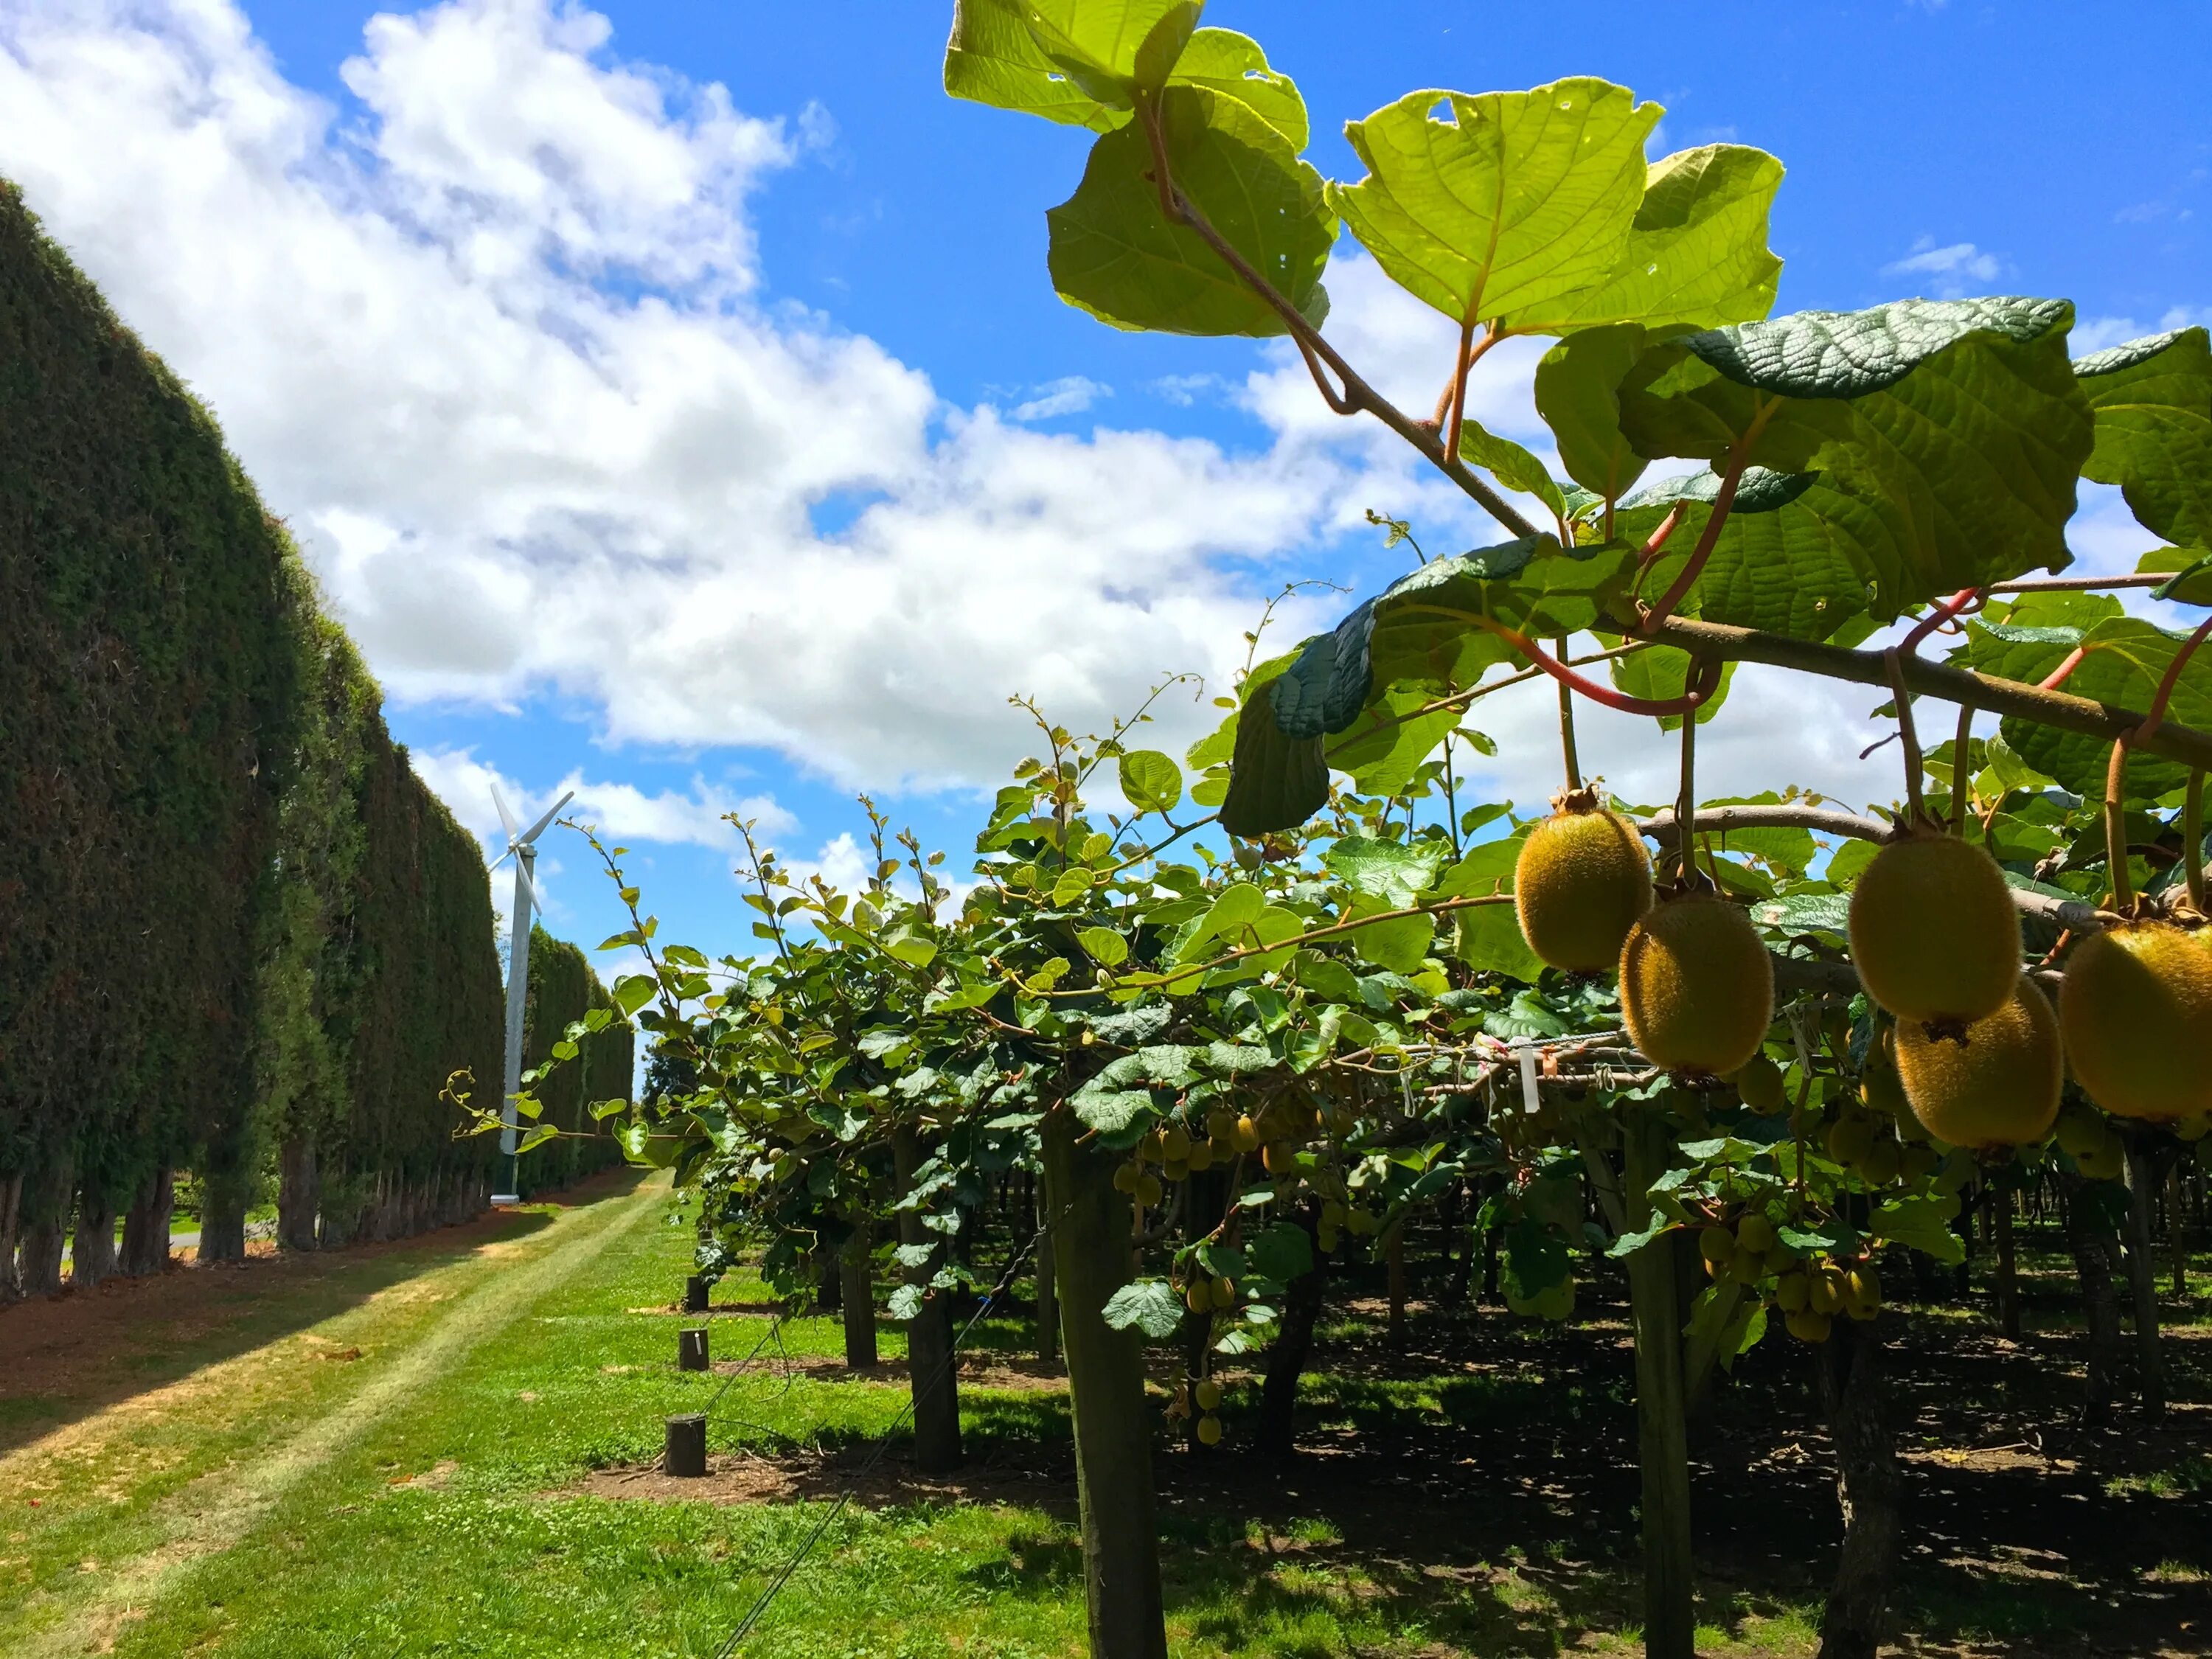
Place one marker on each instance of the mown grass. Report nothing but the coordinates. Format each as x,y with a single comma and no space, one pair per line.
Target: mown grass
453,1525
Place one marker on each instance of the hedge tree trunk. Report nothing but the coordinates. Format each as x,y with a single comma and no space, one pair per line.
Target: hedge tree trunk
92,1252
299,1193
856,1265
1661,1424
146,1224
1276,1432
1869,1485
2142,1277
11,1216
1106,1386
2090,1241
931,1377
44,1224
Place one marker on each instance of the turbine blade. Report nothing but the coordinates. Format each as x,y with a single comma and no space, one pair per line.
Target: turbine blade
529,887
506,818
552,812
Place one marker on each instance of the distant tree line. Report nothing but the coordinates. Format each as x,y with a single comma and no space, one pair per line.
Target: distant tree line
239,937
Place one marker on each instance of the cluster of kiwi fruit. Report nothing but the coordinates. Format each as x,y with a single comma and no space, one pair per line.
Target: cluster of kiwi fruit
1812,1296
1201,1398
1179,1153
1982,1055
1746,1253
1205,1293
1696,989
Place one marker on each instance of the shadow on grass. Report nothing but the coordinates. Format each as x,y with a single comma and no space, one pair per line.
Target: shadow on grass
72,1356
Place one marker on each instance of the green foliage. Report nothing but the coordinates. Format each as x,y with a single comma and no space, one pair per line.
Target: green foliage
237,917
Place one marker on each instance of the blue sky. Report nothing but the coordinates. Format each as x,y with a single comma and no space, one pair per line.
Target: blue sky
718,451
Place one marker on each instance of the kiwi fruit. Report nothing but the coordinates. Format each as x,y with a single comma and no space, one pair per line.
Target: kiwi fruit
1934,932
1581,882
1792,1292
1697,988
1808,1326
1995,1084
1754,1235
1208,1395
2136,1014
1209,1430
1760,1082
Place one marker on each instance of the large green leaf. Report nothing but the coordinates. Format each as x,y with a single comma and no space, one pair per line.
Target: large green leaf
1520,199
1944,441
2153,399
1395,871
1115,255
1696,256
1386,746
1224,61
1277,779
1578,395
2126,657
993,58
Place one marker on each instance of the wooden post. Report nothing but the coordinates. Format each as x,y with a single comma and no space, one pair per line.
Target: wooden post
694,1294
2177,1231
2001,1198
1662,1431
1047,1305
1869,1485
1394,1256
684,1450
1106,1384
691,1349
856,1263
2142,1277
930,1375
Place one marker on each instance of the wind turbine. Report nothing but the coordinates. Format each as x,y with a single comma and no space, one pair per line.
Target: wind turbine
523,849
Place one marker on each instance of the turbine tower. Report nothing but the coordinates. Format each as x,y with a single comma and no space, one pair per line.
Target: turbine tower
523,849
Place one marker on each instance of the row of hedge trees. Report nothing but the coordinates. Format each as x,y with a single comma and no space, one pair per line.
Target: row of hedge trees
563,990
236,930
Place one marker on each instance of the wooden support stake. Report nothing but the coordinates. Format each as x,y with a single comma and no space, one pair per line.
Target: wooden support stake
691,1349
694,1294
684,1452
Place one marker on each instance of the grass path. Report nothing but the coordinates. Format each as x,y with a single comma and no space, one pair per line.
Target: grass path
220,1508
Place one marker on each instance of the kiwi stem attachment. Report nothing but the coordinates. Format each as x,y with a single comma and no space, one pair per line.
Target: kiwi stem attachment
1567,727
1961,786
2192,839
1908,735
1685,809
2116,830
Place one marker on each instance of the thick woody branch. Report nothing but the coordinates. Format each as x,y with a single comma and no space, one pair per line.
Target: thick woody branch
2077,916
2062,709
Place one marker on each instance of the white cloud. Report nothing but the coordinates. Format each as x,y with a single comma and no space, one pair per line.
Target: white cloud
619,811
1069,395
1956,267
494,345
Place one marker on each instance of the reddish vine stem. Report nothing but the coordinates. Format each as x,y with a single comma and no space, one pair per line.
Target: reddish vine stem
1935,618
1357,396
2115,841
2192,839
1707,540
1959,768
1699,693
2058,675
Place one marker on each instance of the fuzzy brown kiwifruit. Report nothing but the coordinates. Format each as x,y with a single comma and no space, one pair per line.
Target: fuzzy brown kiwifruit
1581,882
1697,986
2136,1014
1996,1084
1934,932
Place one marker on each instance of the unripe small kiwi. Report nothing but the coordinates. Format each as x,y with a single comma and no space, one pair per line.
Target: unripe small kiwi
1198,1296
1849,1140
1934,932
1224,1294
1996,1084
1148,1189
1126,1175
2137,1013
1824,1290
1754,1235
1209,1431
1580,883
1207,1393
1717,1245
1760,1082
1174,1143
1792,1292
1697,988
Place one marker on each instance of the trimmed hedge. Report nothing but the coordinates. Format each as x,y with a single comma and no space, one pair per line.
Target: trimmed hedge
235,927
563,990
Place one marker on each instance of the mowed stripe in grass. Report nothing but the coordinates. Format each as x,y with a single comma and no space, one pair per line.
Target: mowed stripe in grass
108,1509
